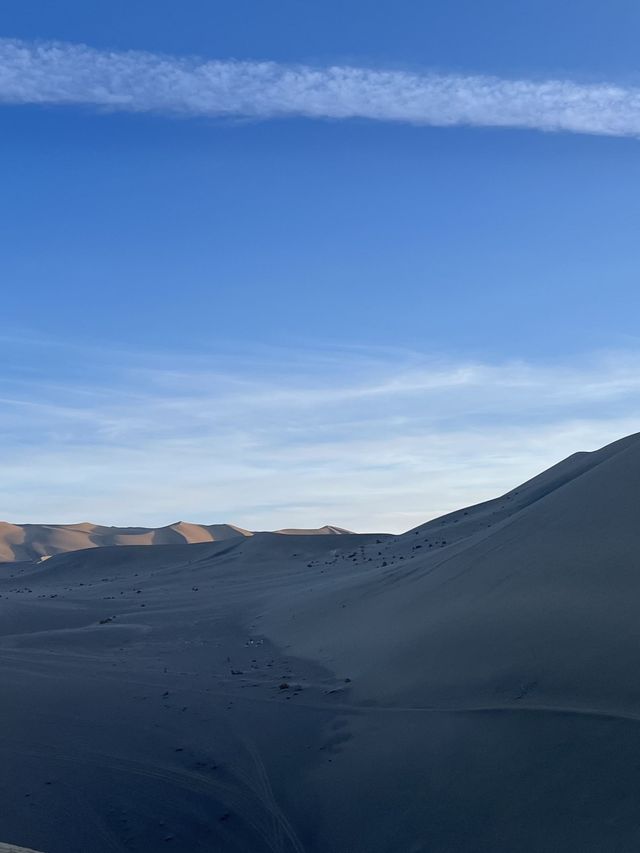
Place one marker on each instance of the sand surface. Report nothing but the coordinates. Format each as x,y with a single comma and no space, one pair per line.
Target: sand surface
10,848
19,542
468,687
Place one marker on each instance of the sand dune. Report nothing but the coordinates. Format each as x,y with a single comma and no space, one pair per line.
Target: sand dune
469,686
20,542
10,848
327,530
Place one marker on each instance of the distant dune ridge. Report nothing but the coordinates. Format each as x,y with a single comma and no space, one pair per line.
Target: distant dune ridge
470,685
33,541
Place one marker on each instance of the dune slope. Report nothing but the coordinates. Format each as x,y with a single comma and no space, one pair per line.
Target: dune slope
468,686
21,542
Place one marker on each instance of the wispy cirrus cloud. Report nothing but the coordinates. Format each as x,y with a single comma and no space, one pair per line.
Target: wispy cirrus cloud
62,73
369,440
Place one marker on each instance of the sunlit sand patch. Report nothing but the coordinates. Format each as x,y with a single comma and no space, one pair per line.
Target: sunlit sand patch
11,848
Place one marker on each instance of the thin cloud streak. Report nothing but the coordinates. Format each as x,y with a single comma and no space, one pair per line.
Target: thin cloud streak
374,441
74,74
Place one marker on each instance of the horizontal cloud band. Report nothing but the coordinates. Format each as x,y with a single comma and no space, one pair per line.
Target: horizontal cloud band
59,73
266,438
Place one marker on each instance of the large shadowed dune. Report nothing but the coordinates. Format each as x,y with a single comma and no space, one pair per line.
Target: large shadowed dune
467,687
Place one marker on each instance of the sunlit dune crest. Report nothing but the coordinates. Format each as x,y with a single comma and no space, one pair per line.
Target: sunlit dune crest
19,542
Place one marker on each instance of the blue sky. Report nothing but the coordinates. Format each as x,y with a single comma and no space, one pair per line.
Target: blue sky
290,294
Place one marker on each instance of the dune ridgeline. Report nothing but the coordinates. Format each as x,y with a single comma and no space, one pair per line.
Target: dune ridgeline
19,542
469,686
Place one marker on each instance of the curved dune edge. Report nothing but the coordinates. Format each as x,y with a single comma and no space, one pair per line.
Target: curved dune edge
36,542
11,848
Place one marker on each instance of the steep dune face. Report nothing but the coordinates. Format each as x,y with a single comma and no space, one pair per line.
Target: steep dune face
481,517
533,597
498,667
35,541
11,542
469,686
